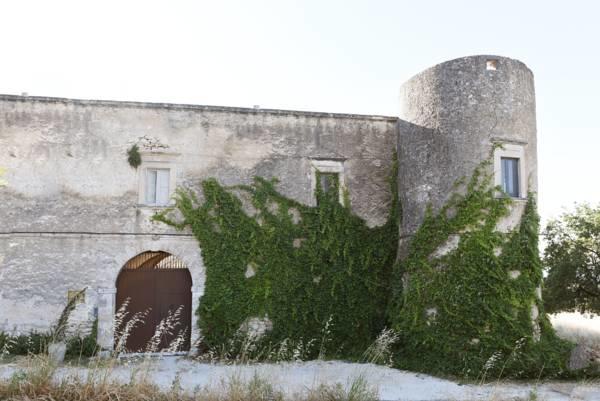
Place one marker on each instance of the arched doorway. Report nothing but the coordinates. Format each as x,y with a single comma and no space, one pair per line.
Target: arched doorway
156,285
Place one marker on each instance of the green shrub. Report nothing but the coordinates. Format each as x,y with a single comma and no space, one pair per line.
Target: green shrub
37,343
83,346
24,344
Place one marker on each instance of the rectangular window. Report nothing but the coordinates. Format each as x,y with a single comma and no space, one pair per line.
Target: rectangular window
157,186
327,179
329,183
510,176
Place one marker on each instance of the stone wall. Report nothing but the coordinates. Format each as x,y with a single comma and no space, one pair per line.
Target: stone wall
70,216
451,116
68,171
38,270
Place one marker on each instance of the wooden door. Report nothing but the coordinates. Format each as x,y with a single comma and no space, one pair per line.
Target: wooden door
157,291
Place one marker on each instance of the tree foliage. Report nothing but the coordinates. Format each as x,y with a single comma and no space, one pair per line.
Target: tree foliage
572,260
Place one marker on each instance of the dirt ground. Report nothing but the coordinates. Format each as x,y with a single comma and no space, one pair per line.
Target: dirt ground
294,378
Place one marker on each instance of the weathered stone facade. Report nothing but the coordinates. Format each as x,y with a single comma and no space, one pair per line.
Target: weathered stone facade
72,213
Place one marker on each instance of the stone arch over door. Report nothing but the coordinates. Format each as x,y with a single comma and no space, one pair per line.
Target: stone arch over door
153,304
185,249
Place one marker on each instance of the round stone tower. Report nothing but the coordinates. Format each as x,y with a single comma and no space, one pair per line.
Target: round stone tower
451,116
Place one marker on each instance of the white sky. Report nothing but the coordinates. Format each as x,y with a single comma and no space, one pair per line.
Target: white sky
338,56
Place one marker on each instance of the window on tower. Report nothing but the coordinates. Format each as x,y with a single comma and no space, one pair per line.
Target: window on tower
510,176
510,170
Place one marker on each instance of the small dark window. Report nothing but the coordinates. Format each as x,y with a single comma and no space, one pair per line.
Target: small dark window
510,176
491,65
328,183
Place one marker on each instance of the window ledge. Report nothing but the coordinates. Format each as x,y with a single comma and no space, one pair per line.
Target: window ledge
155,207
519,199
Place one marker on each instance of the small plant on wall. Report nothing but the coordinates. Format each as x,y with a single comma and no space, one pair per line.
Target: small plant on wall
133,156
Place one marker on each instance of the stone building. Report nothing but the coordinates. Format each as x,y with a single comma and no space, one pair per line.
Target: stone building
74,214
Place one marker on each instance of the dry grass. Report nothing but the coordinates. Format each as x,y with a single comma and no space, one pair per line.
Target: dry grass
38,381
248,347
38,378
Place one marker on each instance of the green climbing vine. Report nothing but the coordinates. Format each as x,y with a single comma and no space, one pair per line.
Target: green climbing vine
304,268
465,298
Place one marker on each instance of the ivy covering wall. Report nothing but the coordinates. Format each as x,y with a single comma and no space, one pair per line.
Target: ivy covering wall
306,269
466,297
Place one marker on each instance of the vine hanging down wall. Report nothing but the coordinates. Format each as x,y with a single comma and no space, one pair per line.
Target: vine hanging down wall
317,275
466,298
464,301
